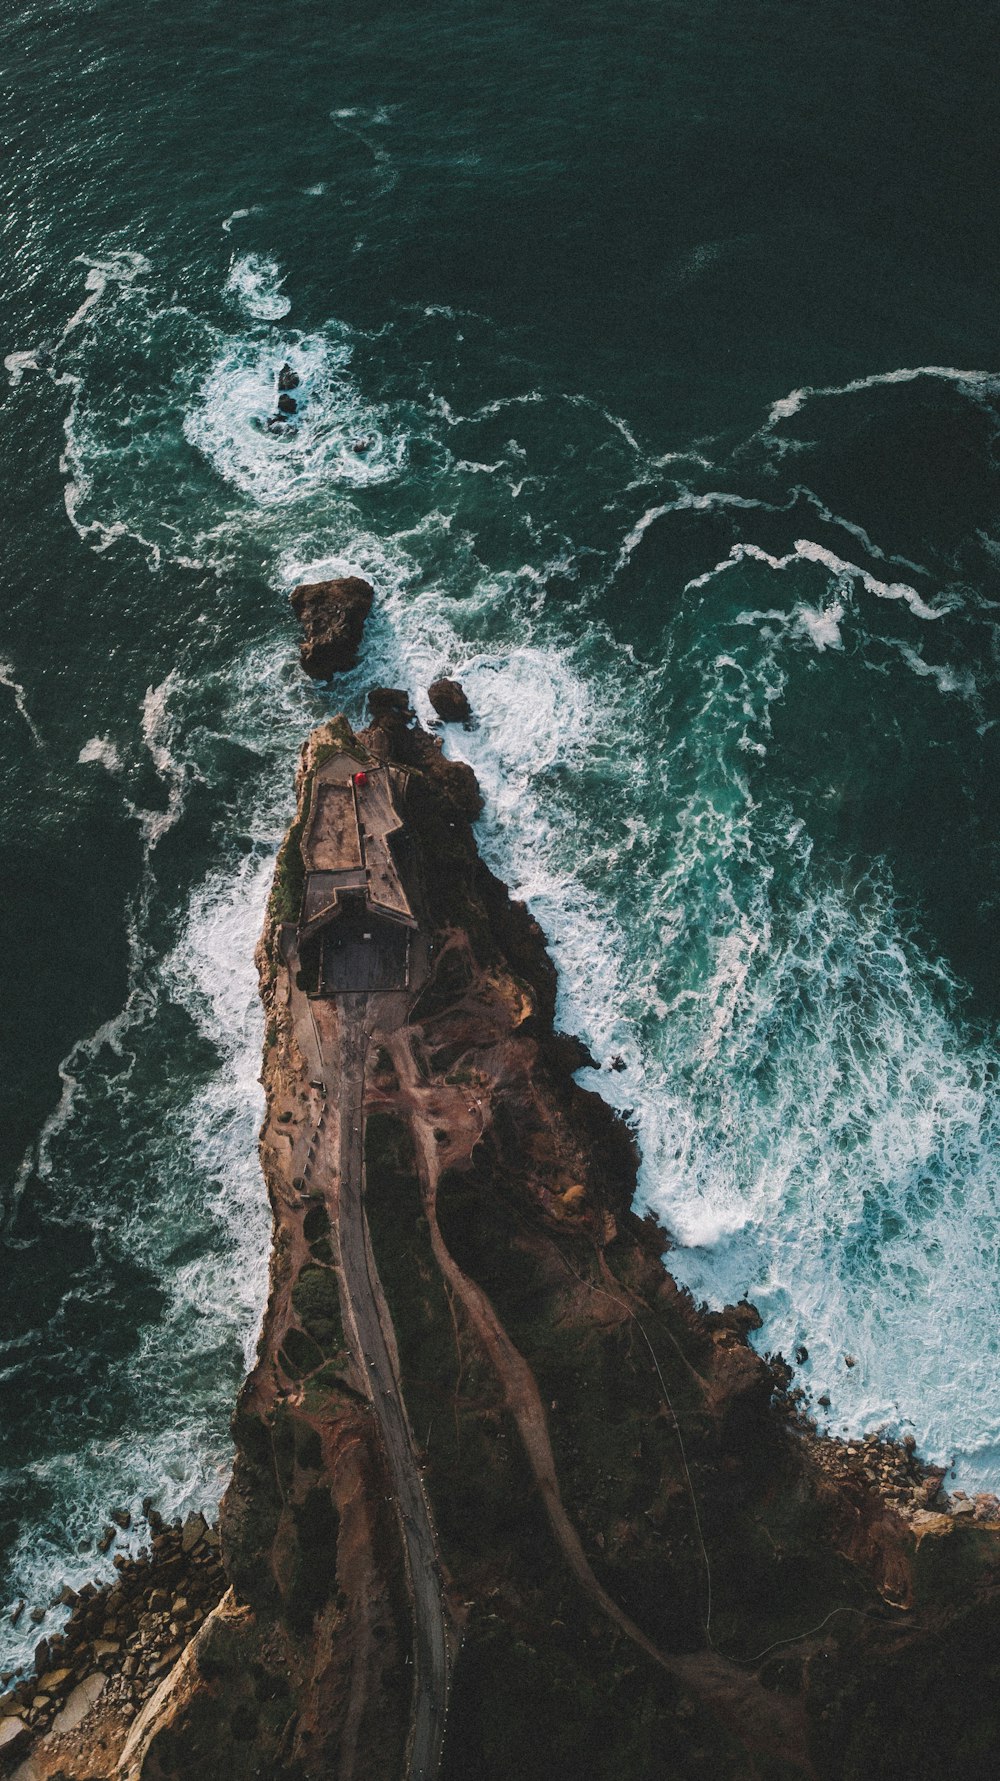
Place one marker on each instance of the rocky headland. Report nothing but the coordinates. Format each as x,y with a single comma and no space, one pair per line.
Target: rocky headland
505,1501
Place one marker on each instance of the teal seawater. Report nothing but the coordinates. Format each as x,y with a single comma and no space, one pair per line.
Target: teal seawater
670,333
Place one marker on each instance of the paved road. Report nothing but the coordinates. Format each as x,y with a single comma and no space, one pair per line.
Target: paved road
367,1310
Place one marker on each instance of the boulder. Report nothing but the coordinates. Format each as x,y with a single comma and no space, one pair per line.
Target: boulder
15,1737
192,1531
332,615
449,701
79,1702
53,1680
390,705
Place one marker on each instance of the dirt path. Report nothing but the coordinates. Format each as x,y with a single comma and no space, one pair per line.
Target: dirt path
342,1047
767,1723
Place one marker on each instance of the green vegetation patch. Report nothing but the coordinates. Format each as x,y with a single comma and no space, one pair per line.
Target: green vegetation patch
316,1222
299,1354
290,871
317,1307
314,1573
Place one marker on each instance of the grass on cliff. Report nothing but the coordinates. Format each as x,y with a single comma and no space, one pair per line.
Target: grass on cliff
289,871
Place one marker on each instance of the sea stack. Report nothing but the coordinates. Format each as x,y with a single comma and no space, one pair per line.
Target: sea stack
449,701
332,615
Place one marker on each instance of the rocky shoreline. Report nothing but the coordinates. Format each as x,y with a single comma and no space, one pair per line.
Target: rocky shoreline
114,1650
643,1547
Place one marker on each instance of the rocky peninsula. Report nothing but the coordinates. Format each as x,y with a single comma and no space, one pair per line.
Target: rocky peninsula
505,1501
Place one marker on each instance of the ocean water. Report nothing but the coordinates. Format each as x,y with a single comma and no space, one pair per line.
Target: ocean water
649,368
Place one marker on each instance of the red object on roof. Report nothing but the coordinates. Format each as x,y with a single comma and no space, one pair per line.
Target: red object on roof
361,779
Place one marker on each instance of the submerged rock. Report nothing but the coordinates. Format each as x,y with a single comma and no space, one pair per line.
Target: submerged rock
332,615
450,702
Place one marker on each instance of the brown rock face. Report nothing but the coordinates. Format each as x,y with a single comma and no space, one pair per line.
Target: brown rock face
332,615
449,701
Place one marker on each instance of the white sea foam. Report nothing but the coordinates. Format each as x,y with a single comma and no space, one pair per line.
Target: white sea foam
820,624
254,285
357,121
974,382
335,436
17,363
806,551
211,973
120,268
688,502
856,531
13,685
238,216
101,752
816,1127
946,678
158,726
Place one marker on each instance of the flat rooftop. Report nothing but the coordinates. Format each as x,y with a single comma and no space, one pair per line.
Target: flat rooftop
347,842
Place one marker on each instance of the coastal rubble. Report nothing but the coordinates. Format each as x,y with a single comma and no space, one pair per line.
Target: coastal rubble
94,1675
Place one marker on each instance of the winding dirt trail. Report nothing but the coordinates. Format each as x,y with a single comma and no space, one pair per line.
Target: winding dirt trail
768,1724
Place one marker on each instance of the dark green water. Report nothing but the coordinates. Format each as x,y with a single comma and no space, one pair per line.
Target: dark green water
732,650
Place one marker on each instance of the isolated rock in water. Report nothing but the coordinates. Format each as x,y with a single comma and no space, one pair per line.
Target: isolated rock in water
332,615
287,405
449,701
287,378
